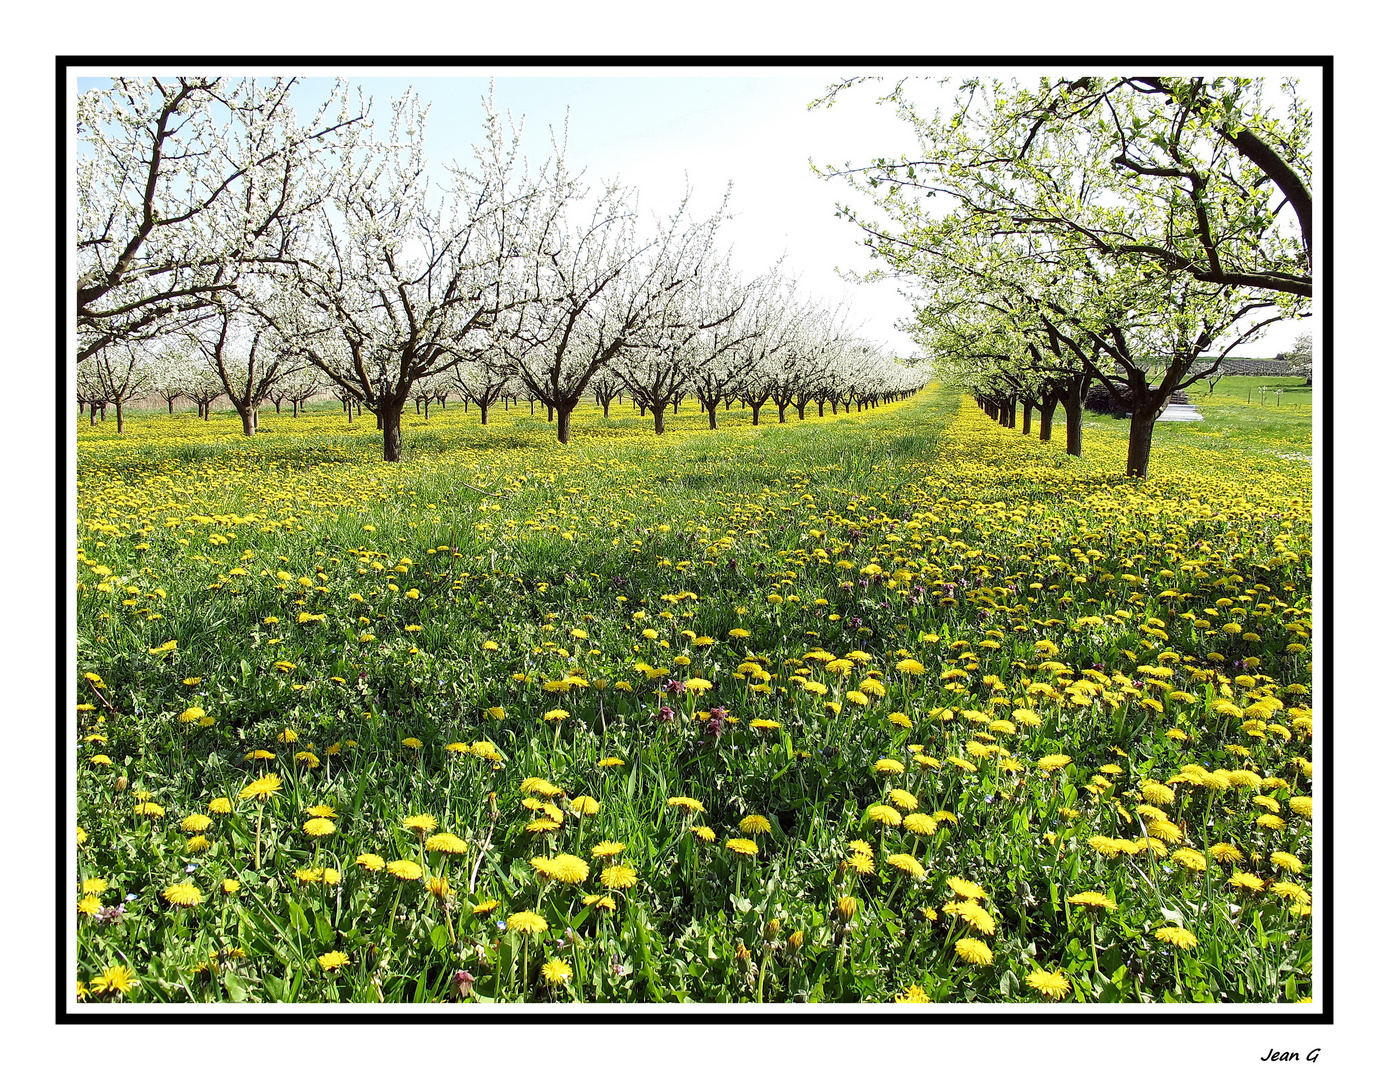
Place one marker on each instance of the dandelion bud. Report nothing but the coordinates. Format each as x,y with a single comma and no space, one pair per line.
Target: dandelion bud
492,804
795,941
772,930
846,907
121,783
743,953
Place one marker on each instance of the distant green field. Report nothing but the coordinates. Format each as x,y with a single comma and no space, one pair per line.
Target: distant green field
1233,415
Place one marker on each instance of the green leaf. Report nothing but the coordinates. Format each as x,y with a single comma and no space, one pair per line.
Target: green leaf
236,989
297,918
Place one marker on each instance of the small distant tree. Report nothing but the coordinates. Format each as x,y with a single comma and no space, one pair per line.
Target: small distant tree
91,394
483,379
170,363
296,388
724,354
1300,358
597,292
121,373
249,358
658,372
204,387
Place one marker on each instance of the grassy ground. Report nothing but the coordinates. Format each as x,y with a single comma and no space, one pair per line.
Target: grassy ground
897,705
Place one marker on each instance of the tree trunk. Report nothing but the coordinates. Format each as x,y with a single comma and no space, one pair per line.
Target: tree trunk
800,410
606,403
248,421
388,421
171,406
822,408
1027,417
780,413
103,410
482,408
1071,403
713,411
296,409
1046,412
120,419
562,430
1141,442
426,410
550,411
93,424
659,415
532,408
756,413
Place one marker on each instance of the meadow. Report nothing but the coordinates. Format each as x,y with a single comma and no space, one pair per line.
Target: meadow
892,707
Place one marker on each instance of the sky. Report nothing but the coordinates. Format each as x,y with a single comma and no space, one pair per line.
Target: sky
659,129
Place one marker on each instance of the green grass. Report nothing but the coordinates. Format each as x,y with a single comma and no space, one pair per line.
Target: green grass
1054,607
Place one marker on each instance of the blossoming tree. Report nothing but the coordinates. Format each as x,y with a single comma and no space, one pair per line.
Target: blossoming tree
396,282
184,183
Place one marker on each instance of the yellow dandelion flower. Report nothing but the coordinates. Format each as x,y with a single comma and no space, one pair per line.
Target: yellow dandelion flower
183,894
884,815
1176,936
1093,901
447,843
902,799
1050,984
618,877
526,922
420,824
974,951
